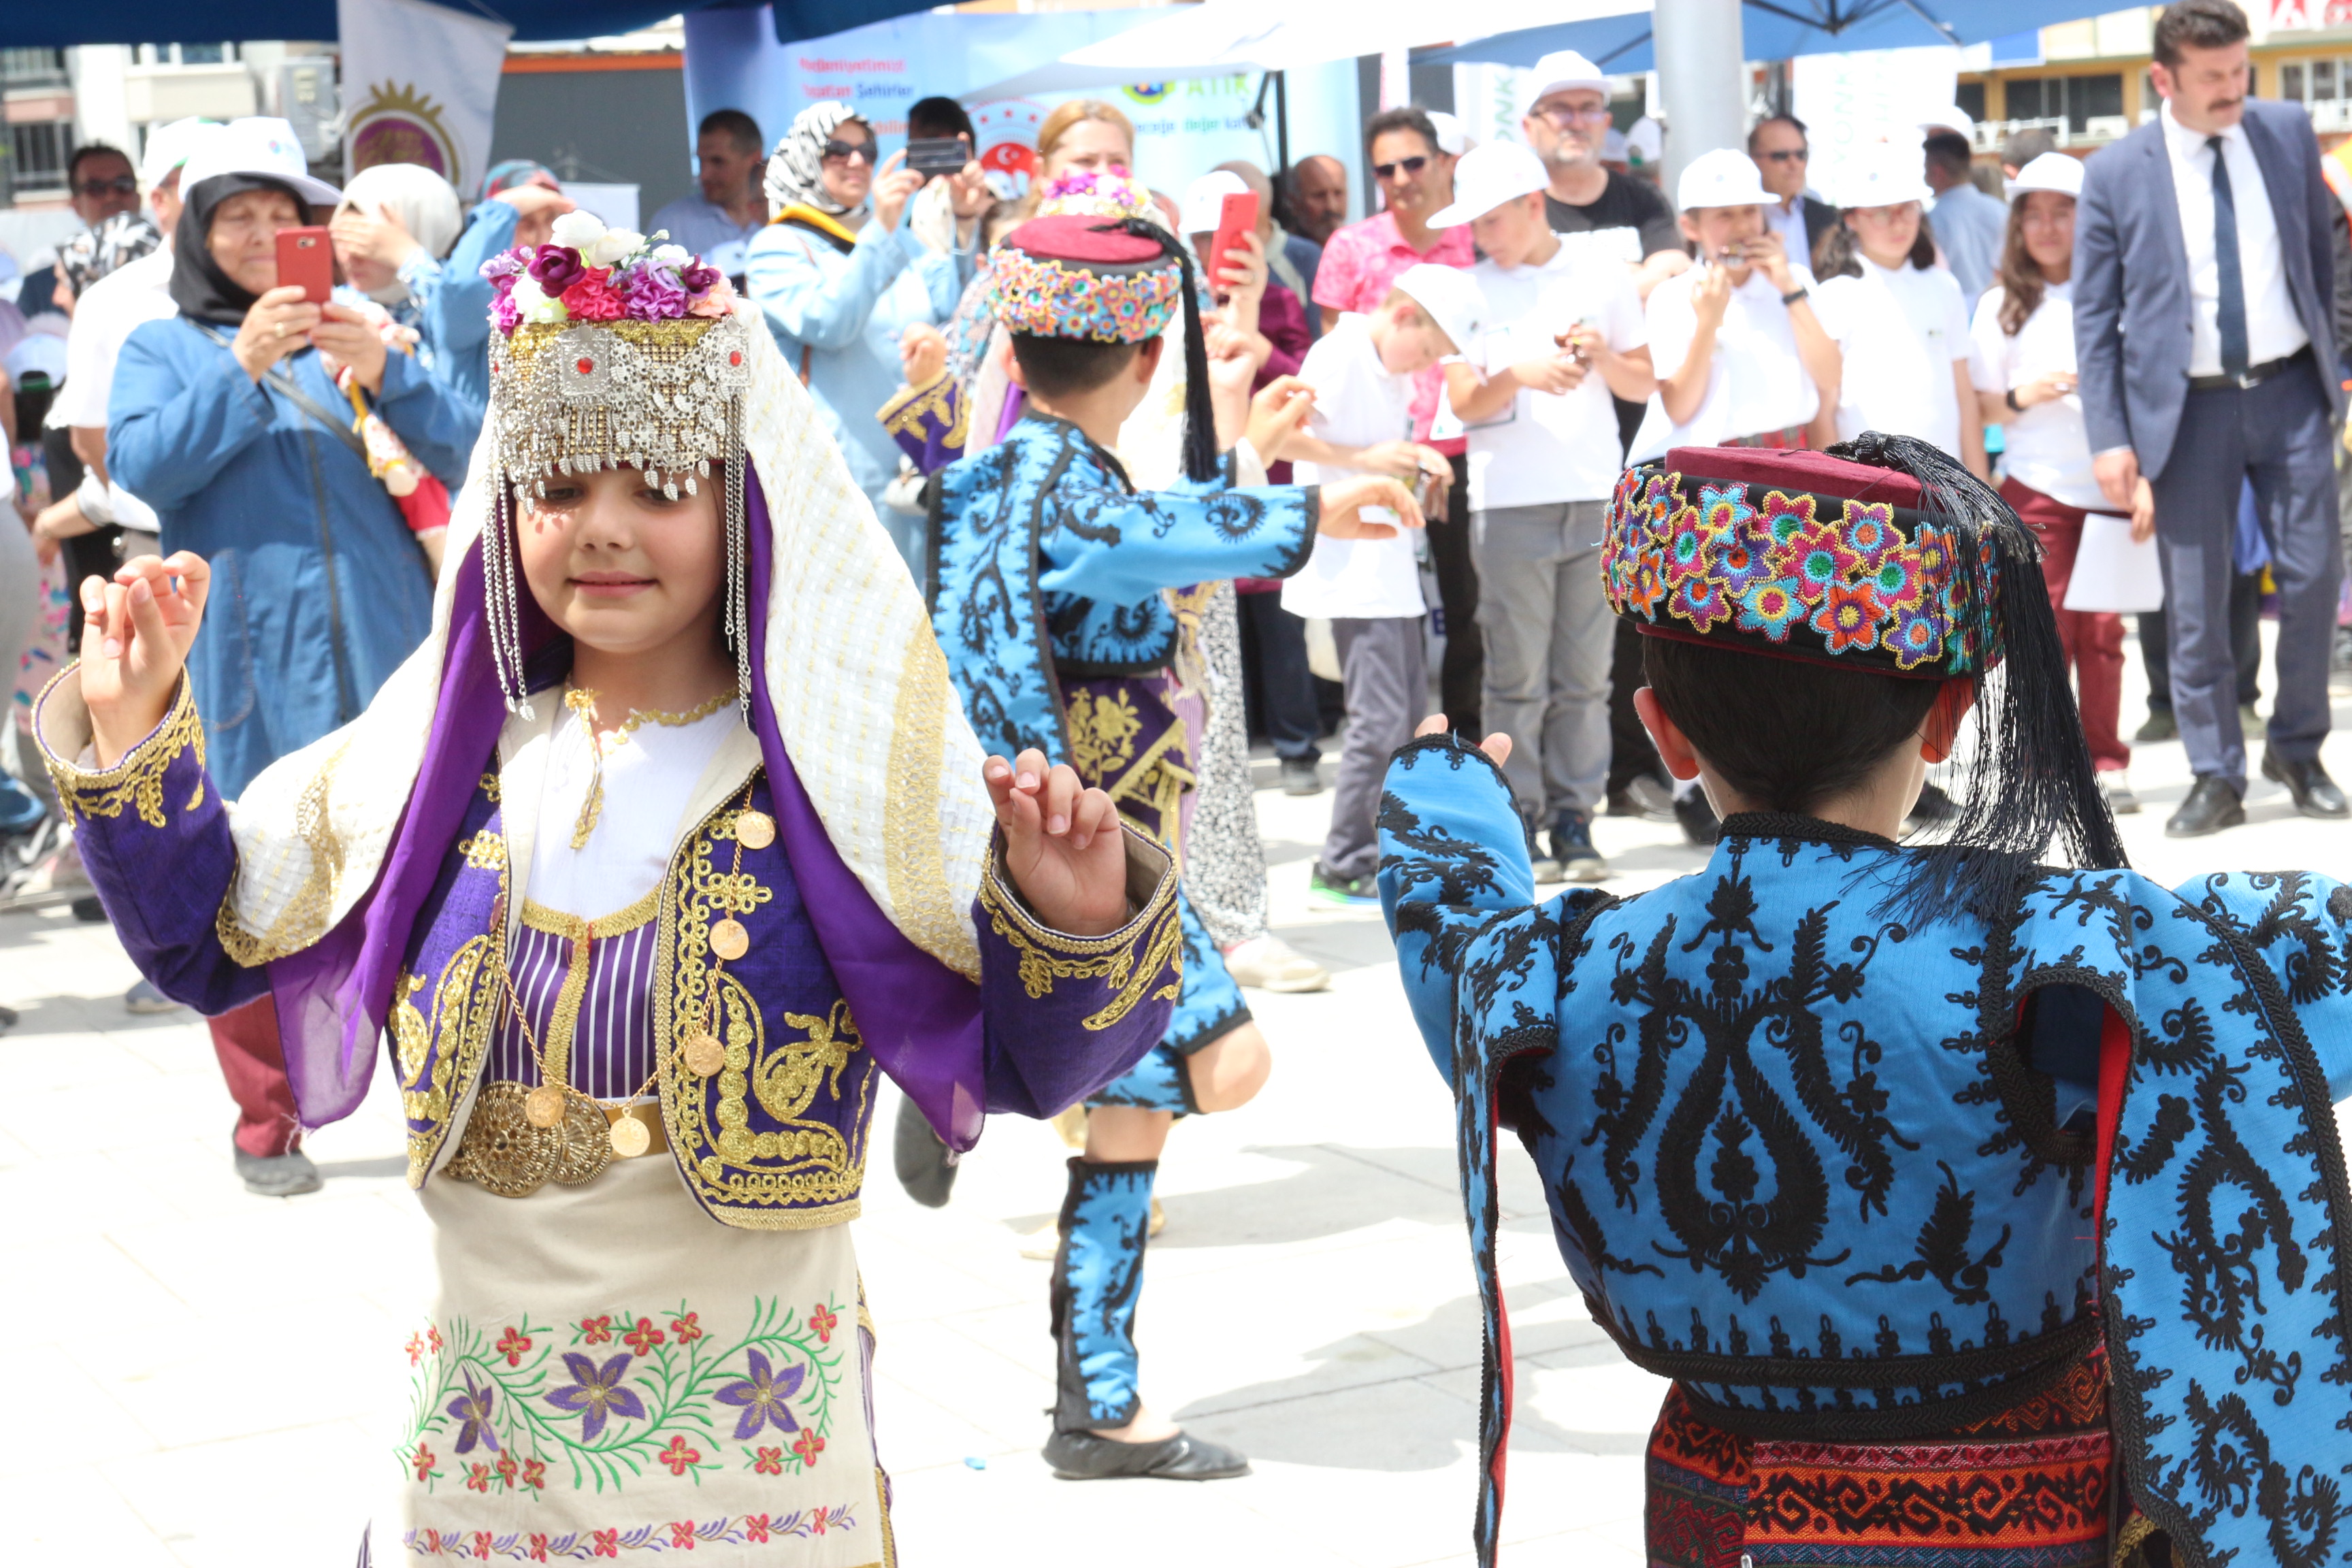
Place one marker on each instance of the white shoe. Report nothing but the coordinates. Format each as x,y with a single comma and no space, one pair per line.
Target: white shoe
1269,963
2116,784
1548,870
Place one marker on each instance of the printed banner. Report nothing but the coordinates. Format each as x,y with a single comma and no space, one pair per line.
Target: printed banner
422,84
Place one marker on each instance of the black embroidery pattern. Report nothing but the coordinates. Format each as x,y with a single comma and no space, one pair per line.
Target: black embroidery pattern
1730,1117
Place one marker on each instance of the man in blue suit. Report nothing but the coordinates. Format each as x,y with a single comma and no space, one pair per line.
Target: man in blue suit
2204,284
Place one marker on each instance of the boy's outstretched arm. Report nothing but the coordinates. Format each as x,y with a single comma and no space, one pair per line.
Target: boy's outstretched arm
1453,855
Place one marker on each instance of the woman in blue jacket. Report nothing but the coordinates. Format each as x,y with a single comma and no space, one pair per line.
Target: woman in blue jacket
226,420
841,282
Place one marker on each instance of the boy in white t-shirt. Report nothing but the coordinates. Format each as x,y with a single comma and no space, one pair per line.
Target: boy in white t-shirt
1362,372
1742,360
1564,331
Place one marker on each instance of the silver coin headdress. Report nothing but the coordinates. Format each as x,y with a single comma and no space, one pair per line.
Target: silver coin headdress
610,351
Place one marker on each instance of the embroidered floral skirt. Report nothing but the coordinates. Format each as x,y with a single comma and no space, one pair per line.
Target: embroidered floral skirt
2028,1488
611,1375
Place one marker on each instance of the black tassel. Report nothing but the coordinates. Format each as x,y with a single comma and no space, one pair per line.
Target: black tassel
1200,449
2030,790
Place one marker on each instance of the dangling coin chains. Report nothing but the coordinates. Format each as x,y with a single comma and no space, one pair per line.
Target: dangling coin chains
551,1104
702,1052
583,702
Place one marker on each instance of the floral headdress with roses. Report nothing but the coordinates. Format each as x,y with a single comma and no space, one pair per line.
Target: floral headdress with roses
610,350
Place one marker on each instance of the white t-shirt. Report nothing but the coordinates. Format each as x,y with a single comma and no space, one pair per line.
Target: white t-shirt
1899,331
1358,402
116,305
2047,447
1757,381
1548,447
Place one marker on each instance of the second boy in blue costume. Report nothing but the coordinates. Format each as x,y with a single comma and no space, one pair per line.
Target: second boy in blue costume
1052,598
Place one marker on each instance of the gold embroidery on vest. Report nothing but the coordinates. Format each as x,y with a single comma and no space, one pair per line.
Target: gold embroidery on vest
1046,956
437,1058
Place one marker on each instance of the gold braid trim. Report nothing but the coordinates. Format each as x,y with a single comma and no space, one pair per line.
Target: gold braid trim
303,920
1129,958
137,777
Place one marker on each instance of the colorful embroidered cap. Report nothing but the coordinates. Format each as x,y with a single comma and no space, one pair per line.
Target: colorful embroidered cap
1083,276
1885,557
1798,554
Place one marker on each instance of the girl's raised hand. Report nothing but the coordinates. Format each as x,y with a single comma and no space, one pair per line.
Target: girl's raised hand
1062,843
136,630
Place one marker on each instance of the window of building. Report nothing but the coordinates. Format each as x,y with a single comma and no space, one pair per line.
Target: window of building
2315,81
1971,96
32,67
38,154
2076,99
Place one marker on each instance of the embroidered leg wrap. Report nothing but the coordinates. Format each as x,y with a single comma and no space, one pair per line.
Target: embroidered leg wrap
1097,1274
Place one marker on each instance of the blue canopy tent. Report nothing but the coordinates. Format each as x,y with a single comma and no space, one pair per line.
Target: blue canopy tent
26,25
1779,30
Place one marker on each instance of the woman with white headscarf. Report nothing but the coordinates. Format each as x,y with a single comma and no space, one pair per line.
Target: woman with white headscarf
840,280
394,232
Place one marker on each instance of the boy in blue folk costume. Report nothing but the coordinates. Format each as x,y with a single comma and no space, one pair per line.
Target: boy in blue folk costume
1984,1213
1052,597
666,848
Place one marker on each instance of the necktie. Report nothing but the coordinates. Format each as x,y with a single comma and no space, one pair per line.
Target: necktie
2231,316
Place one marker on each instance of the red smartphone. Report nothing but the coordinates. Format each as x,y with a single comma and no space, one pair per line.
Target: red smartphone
306,256
1238,218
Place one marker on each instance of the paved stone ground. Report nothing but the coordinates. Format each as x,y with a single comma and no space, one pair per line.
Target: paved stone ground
200,1377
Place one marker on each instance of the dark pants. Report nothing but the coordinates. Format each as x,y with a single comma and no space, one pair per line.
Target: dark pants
1631,754
1279,691
2278,435
1387,668
1458,678
2245,643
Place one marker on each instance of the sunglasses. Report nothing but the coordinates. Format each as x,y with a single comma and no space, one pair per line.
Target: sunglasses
121,186
837,152
1786,157
1414,165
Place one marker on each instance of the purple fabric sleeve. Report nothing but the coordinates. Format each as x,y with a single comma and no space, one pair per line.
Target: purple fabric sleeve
163,882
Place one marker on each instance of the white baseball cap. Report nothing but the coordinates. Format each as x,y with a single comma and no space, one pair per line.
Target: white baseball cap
1557,73
1726,177
168,147
1884,174
1485,178
1450,296
2051,171
1452,140
1951,117
1205,199
260,145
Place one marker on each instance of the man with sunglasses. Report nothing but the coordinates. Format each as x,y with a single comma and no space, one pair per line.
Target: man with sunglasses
1567,121
101,183
1777,143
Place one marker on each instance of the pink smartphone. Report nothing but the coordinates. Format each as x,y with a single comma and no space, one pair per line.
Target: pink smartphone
1236,220
305,256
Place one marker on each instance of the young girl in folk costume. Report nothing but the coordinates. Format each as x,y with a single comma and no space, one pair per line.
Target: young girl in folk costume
1986,1214
666,844
1049,597
2023,333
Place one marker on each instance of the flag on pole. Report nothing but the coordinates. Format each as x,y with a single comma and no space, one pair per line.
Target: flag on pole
421,82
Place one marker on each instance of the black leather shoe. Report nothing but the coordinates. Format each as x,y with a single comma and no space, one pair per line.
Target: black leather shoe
2314,793
2211,807
926,1167
1087,1456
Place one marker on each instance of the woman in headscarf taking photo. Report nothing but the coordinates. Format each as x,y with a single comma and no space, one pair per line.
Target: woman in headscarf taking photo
840,281
393,234
227,420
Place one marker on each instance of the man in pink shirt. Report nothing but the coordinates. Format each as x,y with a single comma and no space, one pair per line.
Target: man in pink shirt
1360,262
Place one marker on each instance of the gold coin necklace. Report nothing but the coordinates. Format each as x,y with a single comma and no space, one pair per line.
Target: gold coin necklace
557,1101
702,1052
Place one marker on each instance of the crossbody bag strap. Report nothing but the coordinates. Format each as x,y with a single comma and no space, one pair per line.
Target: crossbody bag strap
303,402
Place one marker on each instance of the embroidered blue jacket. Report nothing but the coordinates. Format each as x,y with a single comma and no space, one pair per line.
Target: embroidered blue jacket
1050,576
1840,1177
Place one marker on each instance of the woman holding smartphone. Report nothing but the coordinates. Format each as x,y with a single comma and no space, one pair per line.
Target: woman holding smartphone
227,421
2024,335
